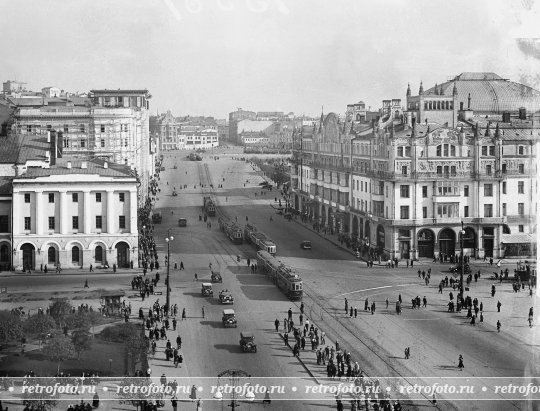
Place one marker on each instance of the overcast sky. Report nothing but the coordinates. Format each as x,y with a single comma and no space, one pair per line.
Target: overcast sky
210,57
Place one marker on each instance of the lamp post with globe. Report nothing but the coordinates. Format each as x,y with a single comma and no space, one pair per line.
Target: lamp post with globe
168,284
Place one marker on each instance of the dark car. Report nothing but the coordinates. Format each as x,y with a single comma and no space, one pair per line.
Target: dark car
306,245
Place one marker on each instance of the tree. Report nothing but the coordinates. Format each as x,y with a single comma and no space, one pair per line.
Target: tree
39,324
59,348
82,341
10,327
59,310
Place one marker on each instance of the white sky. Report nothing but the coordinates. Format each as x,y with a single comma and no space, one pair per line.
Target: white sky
210,57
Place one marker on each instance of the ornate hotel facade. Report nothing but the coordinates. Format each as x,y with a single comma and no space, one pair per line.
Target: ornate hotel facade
405,186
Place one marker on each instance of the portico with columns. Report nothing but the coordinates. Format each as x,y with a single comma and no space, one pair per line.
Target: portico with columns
75,214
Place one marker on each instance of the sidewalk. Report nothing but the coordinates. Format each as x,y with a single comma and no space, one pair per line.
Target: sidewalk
73,271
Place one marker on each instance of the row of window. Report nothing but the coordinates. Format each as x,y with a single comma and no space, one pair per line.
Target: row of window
74,222
451,210
75,197
82,128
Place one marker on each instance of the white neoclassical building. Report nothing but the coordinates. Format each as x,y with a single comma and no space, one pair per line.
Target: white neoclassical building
75,213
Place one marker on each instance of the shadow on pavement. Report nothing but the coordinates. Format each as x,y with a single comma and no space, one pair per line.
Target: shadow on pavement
253,279
213,324
228,347
261,293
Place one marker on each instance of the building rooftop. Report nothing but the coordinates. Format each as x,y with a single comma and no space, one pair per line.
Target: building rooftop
93,166
6,186
489,93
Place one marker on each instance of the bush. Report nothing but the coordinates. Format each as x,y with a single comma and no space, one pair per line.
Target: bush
120,332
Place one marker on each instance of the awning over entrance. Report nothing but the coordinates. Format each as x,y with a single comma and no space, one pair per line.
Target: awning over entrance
519,238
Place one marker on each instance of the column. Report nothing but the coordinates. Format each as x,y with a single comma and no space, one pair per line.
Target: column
87,223
16,218
63,212
38,210
110,211
133,212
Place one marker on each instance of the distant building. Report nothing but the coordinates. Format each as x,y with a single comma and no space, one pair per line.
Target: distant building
234,118
166,129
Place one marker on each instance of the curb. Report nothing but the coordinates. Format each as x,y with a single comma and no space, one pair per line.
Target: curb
301,362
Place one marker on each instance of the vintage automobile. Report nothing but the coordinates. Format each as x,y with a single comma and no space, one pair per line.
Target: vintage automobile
206,290
225,297
229,319
306,245
156,218
456,269
174,193
182,222
216,277
247,343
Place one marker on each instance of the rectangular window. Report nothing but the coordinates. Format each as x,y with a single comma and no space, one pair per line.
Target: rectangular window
520,150
75,222
99,221
404,191
424,212
82,128
439,151
424,191
4,224
121,197
488,190
404,170
102,143
504,168
484,150
439,170
75,197
122,221
98,197
466,211
446,150
66,128
400,151
125,142
491,150
466,191
521,169
407,151
453,171
488,170
27,223
83,143
404,212
488,210
504,209
504,187
51,197
521,187
51,223
521,208
520,228
26,197
102,128
453,151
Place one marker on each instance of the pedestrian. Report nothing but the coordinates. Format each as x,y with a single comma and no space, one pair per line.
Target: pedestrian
346,306
302,308
174,324
498,326
91,268
183,314
86,284
196,277
203,312
181,265
286,338
499,306
407,353
114,268
399,299
366,305
276,323
387,302
460,362
355,312
424,300
351,312
373,308
178,342
289,313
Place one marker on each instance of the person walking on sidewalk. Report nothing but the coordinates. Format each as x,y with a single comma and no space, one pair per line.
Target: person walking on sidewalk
203,311
460,362
183,314
91,268
276,324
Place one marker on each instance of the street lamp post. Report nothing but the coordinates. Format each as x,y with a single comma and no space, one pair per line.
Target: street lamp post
168,240
462,232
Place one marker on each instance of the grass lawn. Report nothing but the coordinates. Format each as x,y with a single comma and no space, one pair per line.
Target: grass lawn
92,361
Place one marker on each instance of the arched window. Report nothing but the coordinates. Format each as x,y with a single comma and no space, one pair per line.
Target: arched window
98,256
51,255
75,255
4,253
358,117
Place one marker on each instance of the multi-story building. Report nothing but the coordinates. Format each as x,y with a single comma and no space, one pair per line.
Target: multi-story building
60,211
234,118
112,125
194,138
406,190
166,129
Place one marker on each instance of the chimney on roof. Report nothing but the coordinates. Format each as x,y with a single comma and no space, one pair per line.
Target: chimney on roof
105,165
52,146
68,164
84,165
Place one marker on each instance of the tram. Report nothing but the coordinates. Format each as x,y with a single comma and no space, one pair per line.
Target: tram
232,230
209,207
284,277
259,239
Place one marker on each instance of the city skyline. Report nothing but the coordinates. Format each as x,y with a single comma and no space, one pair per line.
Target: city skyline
210,58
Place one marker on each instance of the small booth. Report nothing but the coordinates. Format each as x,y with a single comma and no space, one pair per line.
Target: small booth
111,305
